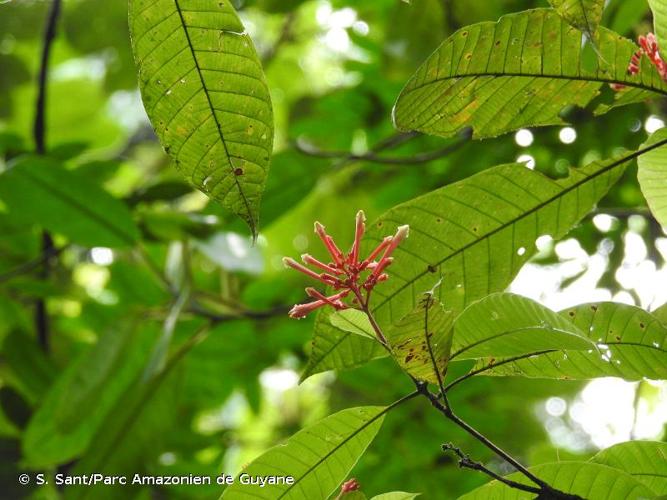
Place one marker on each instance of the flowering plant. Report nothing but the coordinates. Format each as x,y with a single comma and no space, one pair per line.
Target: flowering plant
346,273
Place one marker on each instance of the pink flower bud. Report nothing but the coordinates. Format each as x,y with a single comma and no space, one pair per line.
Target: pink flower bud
359,229
309,259
302,310
333,250
350,485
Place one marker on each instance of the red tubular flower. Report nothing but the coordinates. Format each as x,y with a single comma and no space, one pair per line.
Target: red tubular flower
347,272
649,48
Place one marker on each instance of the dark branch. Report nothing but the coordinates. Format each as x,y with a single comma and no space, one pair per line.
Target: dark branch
39,135
467,463
373,157
31,265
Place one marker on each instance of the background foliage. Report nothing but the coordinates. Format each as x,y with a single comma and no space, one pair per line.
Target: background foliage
131,381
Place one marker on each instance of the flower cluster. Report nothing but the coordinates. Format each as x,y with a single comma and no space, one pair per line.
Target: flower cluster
346,273
649,48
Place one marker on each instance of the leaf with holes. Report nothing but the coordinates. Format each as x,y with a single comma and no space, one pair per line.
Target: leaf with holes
652,175
474,248
645,460
631,344
585,15
504,324
318,457
588,480
421,340
519,72
204,91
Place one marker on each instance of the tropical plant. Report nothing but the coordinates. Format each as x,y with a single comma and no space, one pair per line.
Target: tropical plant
137,313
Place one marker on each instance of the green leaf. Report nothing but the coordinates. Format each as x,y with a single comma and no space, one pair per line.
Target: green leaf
318,457
68,204
504,324
353,321
590,481
334,348
205,93
645,460
652,175
519,72
396,495
585,15
475,249
421,341
659,9
77,404
632,344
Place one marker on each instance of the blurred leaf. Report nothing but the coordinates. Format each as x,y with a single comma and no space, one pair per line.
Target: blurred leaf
631,344
68,204
318,457
76,406
652,175
659,10
504,324
210,107
162,191
421,341
26,367
232,252
475,249
645,460
519,72
585,15
591,481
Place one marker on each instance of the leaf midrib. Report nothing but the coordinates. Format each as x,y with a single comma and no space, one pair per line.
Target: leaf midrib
120,234
510,223
338,446
517,330
497,74
215,116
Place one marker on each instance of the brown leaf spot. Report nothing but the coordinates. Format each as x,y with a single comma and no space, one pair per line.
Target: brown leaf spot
238,171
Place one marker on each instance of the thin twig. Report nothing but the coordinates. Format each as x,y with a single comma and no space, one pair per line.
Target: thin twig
466,462
373,157
31,265
39,135
445,409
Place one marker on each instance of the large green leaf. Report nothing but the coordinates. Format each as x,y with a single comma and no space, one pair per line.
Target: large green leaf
632,344
318,457
504,324
77,404
396,495
474,248
589,481
645,460
40,191
421,340
659,9
652,175
521,71
585,15
204,90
